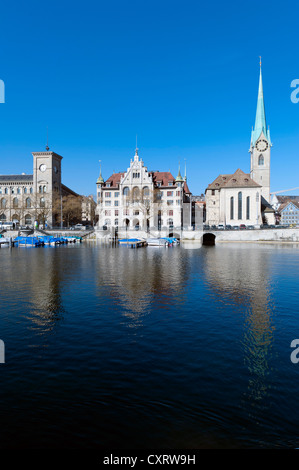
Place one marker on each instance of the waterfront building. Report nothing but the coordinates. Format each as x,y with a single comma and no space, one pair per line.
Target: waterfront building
289,213
141,199
233,199
40,196
243,198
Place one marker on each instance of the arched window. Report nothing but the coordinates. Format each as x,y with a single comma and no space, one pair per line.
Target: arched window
232,208
45,189
15,202
42,202
2,218
6,191
3,203
40,189
126,191
240,205
25,190
146,192
31,190
261,160
15,218
28,220
135,194
248,207
28,203
18,191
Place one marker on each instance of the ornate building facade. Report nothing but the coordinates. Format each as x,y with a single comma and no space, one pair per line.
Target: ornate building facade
141,199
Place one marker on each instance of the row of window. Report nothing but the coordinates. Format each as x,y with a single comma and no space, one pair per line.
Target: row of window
28,218
108,213
240,207
16,203
127,222
16,191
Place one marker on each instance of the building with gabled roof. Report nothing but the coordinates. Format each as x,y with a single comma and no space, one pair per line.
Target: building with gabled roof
289,212
243,198
141,199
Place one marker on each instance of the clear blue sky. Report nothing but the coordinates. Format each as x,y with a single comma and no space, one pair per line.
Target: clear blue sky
183,75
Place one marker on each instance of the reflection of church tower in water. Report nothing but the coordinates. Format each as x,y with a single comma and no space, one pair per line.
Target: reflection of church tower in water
241,274
260,145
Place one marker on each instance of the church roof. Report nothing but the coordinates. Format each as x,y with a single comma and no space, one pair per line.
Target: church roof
16,178
239,179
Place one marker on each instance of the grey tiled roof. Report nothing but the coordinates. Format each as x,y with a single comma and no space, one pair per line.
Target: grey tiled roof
16,178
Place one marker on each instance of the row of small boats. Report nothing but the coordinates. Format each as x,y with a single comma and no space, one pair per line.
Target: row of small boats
42,241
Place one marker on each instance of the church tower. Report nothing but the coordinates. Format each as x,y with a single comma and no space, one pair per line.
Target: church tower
260,146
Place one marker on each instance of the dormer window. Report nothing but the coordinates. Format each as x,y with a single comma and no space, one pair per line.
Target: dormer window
108,185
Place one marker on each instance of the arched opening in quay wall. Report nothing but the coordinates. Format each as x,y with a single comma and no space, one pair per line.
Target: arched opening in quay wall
208,239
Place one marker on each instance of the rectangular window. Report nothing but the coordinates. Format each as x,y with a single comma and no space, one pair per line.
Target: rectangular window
116,194
248,208
170,203
107,194
108,213
170,213
116,203
116,212
240,205
170,183
232,208
169,193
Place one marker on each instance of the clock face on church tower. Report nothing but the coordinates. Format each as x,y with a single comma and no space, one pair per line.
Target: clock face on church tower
43,167
261,145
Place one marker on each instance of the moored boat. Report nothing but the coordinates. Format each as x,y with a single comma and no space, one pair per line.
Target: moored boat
157,242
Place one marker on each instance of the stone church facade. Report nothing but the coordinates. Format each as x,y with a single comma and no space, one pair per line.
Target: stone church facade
244,198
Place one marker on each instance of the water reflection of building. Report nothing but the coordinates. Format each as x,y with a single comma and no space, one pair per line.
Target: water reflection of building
40,277
241,273
138,279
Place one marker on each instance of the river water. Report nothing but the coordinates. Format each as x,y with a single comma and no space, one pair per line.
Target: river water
185,347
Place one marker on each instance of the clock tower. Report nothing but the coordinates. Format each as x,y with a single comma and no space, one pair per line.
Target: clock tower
260,146
46,182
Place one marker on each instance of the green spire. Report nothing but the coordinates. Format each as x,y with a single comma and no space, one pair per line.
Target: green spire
100,179
260,118
179,178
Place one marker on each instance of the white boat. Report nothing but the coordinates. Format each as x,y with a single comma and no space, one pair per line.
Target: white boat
4,241
157,242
